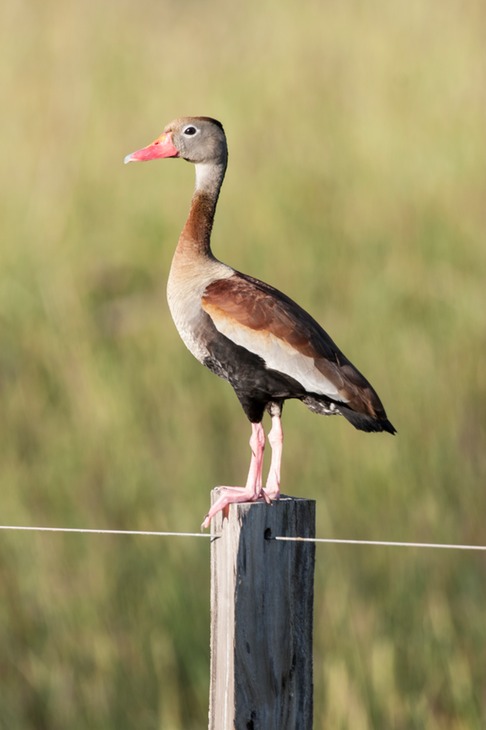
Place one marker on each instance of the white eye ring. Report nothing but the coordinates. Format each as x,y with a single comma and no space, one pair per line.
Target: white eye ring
190,130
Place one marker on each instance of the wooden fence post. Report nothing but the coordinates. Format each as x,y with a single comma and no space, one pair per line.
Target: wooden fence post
261,617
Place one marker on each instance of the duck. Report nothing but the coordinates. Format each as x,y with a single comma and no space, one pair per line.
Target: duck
248,332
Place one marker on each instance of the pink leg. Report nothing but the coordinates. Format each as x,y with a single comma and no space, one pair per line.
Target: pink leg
253,489
275,438
254,480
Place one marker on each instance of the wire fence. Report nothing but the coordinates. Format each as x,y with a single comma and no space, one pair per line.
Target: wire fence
325,540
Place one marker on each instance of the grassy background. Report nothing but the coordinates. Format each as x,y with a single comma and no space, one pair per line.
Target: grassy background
357,184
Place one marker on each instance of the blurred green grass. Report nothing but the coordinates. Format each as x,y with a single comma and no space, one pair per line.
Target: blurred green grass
356,184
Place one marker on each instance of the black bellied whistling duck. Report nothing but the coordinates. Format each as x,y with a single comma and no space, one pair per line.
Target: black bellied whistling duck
246,331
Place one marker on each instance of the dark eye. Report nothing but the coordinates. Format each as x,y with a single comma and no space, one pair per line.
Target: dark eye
190,131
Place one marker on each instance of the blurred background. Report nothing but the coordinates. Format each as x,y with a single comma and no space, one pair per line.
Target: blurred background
357,184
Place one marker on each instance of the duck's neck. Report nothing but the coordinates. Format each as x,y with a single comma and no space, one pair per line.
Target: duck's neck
196,234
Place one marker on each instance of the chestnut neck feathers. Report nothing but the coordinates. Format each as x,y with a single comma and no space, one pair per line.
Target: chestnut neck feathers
196,234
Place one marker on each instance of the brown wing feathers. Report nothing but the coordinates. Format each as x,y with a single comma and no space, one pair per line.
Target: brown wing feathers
252,304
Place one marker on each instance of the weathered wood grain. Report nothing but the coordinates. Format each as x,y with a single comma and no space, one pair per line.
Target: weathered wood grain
261,617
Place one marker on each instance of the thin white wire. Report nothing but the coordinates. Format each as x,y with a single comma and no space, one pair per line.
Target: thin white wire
328,540
382,543
106,532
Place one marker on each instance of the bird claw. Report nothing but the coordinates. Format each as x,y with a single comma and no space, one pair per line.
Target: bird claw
233,495
266,498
